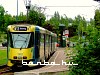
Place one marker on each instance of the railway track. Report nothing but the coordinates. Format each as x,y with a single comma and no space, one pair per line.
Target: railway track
5,70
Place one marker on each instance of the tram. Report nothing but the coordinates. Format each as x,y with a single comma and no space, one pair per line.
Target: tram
29,43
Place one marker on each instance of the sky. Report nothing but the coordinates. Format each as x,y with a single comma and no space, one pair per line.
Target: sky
73,8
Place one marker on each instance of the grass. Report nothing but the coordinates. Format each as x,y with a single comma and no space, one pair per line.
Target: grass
56,73
63,73
3,57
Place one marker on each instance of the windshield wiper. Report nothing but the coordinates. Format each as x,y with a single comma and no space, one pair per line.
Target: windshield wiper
22,36
24,42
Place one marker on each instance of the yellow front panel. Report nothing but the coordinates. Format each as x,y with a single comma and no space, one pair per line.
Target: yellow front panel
20,53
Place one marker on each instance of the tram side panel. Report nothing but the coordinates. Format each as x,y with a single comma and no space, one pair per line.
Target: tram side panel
51,45
55,43
37,46
54,48
46,46
42,45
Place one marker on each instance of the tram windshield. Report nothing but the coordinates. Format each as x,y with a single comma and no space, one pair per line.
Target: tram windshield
21,40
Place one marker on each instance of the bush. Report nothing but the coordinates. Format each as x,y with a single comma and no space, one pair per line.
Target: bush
5,37
88,57
74,38
0,40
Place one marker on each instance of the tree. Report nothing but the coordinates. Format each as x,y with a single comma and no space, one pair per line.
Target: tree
22,17
48,27
41,19
77,26
64,20
2,11
36,17
55,20
8,19
88,56
97,18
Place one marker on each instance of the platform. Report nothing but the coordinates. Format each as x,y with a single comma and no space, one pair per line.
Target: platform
57,57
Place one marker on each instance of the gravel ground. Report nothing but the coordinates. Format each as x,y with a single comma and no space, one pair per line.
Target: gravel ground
2,48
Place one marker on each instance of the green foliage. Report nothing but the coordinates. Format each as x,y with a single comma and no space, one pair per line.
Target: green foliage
22,17
8,20
48,26
33,17
1,17
97,18
0,40
55,20
5,19
64,21
74,38
80,25
5,37
88,56
36,17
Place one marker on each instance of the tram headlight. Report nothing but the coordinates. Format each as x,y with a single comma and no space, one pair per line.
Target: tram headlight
24,57
15,57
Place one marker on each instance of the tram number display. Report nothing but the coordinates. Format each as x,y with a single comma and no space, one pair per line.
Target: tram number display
21,28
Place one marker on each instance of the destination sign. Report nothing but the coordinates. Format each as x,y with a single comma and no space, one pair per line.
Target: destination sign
21,28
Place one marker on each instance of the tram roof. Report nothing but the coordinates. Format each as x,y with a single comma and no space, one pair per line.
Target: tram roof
47,31
42,30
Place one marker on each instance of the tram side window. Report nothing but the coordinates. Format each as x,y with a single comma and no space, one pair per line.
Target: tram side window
49,43
37,38
47,40
31,40
53,39
42,39
53,42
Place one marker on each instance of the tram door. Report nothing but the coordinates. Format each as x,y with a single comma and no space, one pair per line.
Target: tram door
37,45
